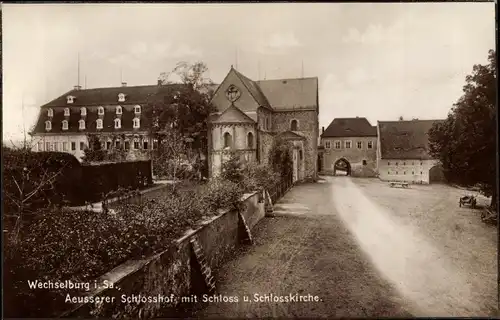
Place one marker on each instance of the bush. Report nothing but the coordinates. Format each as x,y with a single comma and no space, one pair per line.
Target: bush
220,193
259,177
280,157
232,169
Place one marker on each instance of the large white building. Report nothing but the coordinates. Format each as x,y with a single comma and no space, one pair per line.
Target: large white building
403,152
117,116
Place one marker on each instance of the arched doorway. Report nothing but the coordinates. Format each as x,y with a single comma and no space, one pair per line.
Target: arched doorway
342,165
436,174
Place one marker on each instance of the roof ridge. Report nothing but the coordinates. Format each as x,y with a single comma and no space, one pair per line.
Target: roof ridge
279,79
240,76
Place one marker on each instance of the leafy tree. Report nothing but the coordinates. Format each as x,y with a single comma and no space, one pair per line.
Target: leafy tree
465,142
184,107
280,157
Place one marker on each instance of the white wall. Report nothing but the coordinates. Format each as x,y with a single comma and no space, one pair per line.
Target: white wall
416,171
56,143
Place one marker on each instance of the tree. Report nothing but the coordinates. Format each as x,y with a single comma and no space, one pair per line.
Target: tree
30,182
280,157
184,107
465,142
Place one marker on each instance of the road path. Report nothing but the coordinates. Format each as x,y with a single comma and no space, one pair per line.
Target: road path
332,241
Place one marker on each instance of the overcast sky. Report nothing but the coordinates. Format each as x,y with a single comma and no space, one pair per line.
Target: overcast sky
379,61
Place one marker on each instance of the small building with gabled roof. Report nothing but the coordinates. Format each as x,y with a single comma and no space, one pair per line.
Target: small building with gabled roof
403,153
349,145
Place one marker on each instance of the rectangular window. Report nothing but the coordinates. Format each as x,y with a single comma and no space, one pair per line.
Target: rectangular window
108,145
421,172
396,163
348,144
370,144
404,163
82,145
65,146
388,163
136,144
413,172
51,147
145,145
47,146
40,146
73,145
396,172
360,144
327,144
56,146
337,145
117,144
127,145
404,172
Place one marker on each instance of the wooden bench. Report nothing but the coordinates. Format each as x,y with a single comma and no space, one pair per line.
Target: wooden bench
401,184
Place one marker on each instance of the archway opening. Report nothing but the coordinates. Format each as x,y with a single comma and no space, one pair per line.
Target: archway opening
436,174
342,167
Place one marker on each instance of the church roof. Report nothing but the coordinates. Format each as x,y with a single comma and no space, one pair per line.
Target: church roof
232,115
405,139
291,135
350,127
285,94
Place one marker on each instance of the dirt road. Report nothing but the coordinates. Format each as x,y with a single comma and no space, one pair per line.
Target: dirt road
333,240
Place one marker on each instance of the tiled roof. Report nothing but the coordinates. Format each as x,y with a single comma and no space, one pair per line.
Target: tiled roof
103,96
287,94
254,89
405,139
91,99
350,127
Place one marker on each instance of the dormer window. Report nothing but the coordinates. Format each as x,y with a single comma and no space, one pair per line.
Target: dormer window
70,99
99,123
121,97
65,125
100,111
137,123
118,123
137,109
50,113
83,111
81,124
48,125
66,112
119,110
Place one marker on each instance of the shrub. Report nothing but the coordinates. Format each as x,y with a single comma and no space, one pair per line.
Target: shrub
220,193
257,177
232,169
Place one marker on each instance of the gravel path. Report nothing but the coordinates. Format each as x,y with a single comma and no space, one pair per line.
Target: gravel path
365,250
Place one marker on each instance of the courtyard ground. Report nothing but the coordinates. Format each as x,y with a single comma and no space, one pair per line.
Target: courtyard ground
367,250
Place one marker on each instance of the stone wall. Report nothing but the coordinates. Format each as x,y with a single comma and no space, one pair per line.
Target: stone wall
308,126
353,155
414,171
169,273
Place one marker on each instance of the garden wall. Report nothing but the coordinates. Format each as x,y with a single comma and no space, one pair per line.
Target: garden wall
170,272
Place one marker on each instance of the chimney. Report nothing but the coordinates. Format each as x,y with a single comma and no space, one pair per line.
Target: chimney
322,130
77,87
124,84
159,82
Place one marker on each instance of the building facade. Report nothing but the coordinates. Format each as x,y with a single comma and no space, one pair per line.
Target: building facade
117,117
250,115
349,145
403,154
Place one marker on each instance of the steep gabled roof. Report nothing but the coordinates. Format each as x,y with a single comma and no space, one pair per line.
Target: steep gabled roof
254,90
286,94
233,115
350,127
405,139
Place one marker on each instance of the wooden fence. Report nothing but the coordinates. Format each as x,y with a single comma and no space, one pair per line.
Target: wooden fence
279,189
